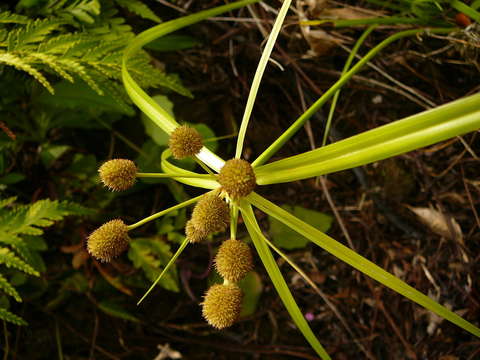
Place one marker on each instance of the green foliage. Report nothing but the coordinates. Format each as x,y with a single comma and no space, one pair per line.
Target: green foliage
139,8
286,238
47,47
21,227
151,255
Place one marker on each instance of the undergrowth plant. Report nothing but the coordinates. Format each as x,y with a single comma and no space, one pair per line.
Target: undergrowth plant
21,230
80,41
232,184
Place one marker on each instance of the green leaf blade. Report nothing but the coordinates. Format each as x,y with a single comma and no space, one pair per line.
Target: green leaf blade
360,263
278,280
413,132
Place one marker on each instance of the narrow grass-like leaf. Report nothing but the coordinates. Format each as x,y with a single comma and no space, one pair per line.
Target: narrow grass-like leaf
164,212
413,132
467,10
169,168
298,124
359,262
140,98
272,38
278,280
390,20
167,267
350,58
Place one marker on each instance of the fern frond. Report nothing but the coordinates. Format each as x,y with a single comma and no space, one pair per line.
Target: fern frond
8,258
20,64
79,69
51,61
8,289
33,32
29,219
139,8
7,17
7,201
60,44
12,318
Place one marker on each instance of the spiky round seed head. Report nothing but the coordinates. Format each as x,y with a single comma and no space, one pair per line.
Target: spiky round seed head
109,240
234,260
118,174
222,305
185,141
211,214
237,178
194,235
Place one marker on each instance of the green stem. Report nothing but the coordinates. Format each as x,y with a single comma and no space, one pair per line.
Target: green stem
259,73
233,221
164,175
354,51
298,124
163,212
170,263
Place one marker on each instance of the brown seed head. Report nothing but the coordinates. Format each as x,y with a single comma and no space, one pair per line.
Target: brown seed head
237,178
185,141
211,214
109,240
234,260
222,305
118,174
194,235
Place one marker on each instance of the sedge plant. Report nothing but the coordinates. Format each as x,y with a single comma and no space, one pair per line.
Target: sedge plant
231,184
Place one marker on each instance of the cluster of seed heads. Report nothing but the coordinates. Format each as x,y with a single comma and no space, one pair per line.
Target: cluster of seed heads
210,215
222,303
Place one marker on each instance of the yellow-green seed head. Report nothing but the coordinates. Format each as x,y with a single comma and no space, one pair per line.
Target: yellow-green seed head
109,240
194,235
185,141
222,305
234,260
237,178
118,174
211,214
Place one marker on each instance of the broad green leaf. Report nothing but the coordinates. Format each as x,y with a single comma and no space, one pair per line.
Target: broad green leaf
80,95
359,262
252,288
278,280
413,132
151,255
116,310
50,153
286,238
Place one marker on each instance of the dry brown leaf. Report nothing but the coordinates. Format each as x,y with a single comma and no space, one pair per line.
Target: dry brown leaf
441,224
